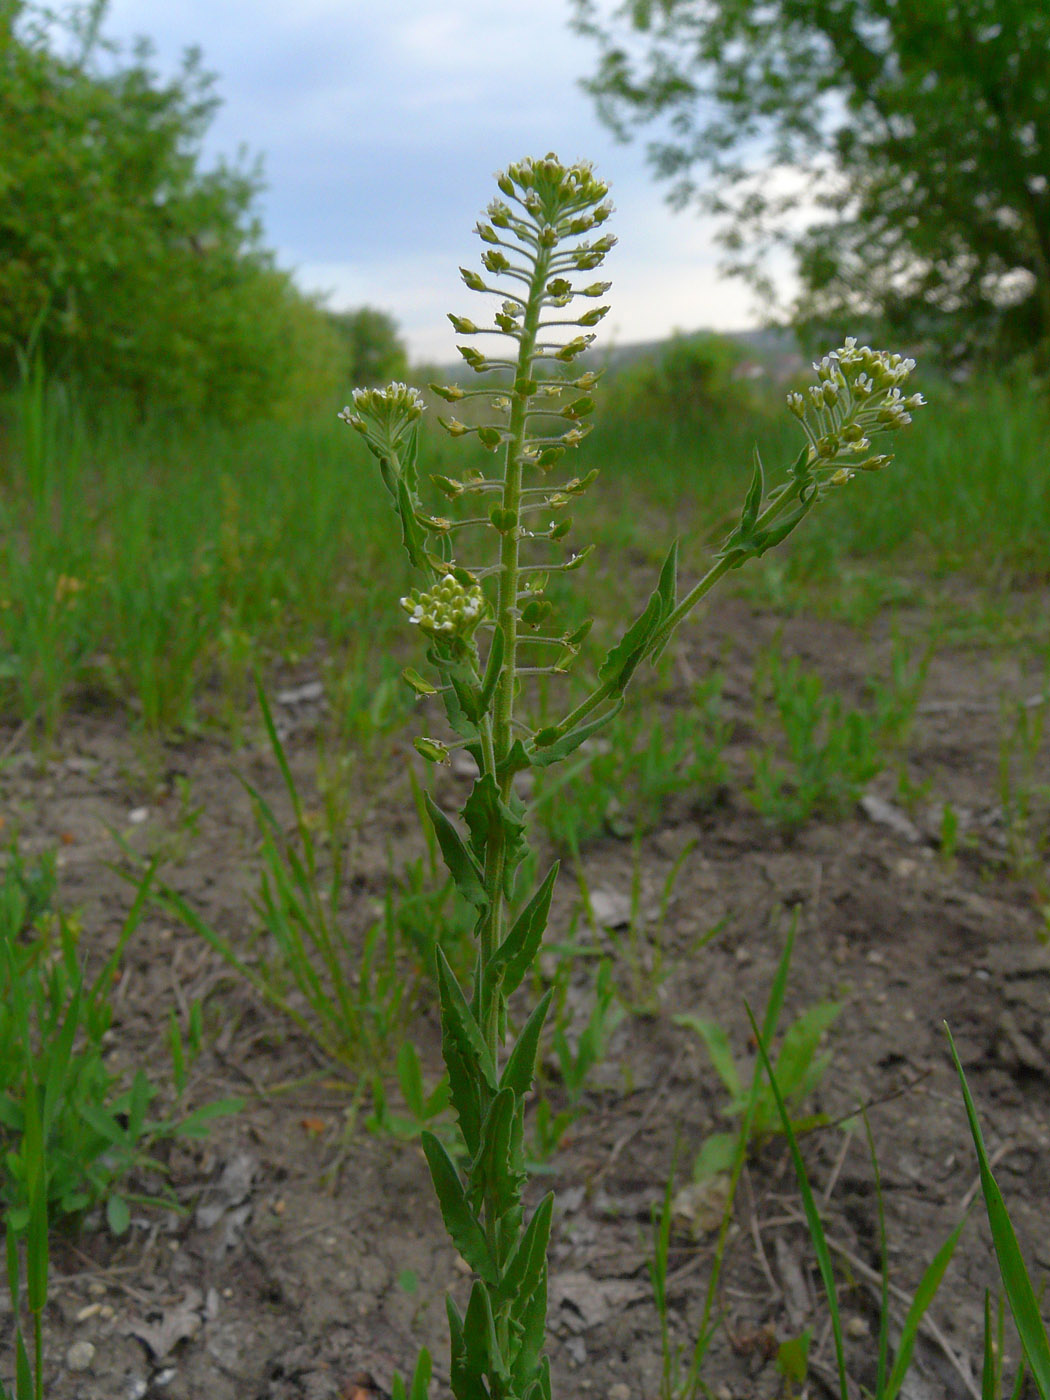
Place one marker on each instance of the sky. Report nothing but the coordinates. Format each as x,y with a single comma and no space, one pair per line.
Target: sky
381,124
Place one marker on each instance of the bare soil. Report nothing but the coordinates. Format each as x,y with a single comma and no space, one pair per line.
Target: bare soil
310,1263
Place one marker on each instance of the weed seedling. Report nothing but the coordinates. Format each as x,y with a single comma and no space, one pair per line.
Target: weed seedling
799,1070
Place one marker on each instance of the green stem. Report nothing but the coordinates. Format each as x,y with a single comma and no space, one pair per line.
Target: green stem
608,690
507,621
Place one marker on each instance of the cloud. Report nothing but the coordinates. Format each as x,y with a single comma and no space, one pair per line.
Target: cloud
381,128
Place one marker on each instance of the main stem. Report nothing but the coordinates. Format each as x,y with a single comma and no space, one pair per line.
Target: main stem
507,621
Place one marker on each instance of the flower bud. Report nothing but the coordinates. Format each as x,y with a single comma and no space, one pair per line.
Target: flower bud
432,749
472,280
449,392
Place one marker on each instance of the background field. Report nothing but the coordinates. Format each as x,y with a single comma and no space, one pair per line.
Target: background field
852,736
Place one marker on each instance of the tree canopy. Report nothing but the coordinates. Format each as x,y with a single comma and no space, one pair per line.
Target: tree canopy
124,261
899,148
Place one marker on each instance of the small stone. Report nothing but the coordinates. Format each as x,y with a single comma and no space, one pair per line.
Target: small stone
138,815
97,1288
619,1391
80,1356
856,1327
91,1310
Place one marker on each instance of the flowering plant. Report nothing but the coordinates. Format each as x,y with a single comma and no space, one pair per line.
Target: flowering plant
488,623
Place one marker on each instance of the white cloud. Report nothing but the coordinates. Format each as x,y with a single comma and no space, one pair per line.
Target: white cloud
381,127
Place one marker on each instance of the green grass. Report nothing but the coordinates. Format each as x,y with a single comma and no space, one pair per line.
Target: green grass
153,566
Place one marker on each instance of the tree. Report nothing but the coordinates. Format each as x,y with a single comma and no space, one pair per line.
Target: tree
917,132
375,352
127,265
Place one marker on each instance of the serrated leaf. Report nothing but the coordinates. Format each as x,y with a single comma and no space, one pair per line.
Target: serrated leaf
458,1021
520,1067
481,1345
463,1226
496,1169
466,1383
462,866
530,1256
621,661
516,761
544,756
532,1318
517,953
486,814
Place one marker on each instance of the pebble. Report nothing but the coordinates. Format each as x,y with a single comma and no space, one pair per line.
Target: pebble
620,1391
80,1356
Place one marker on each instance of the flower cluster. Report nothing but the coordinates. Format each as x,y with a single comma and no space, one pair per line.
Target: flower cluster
535,244
383,415
857,395
449,609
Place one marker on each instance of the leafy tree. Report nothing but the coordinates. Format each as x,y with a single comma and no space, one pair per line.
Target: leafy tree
126,264
919,129
375,352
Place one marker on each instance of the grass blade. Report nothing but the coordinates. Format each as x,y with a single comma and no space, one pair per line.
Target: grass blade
1019,1292
816,1229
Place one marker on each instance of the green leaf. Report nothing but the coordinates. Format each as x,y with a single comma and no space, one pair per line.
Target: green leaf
412,537
924,1296
463,1226
118,1215
410,1078
525,1265
717,1042
497,1167
800,1044
480,1342
753,500
520,1067
493,668
543,755
458,1023
516,761
421,1376
486,814
793,1355
516,954
466,1383
462,866
621,661
1019,1292
532,1318
816,1229
464,1088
